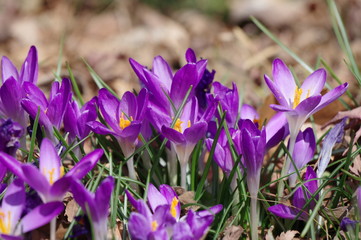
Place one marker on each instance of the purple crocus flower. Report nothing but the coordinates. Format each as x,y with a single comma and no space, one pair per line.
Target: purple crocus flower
95,205
10,134
11,92
51,111
299,199
303,152
124,117
161,82
49,180
28,72
185,134
334,136
253,147
75,119
222,152
229,100
299,103
12,226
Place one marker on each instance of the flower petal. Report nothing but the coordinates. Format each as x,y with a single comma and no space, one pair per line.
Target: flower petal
85,164
314,83
283,211
40,216
284,80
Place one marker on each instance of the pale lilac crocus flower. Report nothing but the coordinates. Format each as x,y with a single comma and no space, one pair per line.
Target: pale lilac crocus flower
303,152
334,136
12,225
49,180
95,205
298,103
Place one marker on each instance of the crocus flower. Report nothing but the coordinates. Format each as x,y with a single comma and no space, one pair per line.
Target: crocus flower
95,205
161,82
229,100
303,152
75,119
49,181
253,147
299,103
51,111
11,92
10,134
124,117
185,134
333,136
12,226
28,72
299,200
222,152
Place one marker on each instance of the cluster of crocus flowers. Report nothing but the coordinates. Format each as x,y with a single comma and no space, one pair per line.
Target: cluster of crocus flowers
161,217
179,107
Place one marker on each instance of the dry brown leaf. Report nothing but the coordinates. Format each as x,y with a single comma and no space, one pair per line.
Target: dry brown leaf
233,233
289,235
71,209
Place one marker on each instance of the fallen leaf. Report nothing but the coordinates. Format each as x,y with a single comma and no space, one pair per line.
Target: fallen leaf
289,235
233,233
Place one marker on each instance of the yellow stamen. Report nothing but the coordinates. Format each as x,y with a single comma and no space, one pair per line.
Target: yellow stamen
61,171
5,227
177,125
297,99
51,175
189,123
173,210
154,225
308,93
123,122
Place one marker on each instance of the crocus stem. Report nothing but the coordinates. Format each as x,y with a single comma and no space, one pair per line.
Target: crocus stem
286,165
53,229
131,171
172,165
184,176
254,217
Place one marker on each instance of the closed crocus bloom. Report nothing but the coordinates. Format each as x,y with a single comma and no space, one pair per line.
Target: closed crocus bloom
253,146
49,180
95,205
229,100
11,91
52,110
299,103
303,153
12,226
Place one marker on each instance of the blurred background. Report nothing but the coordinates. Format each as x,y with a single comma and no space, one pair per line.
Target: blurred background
108,32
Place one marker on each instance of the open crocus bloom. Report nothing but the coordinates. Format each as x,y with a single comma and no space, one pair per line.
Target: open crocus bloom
49,181
185,134
11,224
299,103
